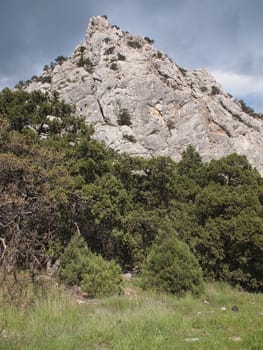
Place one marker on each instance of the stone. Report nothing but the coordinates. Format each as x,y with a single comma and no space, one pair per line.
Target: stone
127,276
235,308
190,340
169,107
43,136
81,302
52,267
236,338
53,118
45,127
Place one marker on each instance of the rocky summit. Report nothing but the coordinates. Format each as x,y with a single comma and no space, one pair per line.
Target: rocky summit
141,102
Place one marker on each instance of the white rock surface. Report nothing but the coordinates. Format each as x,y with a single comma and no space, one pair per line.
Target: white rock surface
169,107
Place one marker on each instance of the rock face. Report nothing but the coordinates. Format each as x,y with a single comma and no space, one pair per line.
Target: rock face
142,103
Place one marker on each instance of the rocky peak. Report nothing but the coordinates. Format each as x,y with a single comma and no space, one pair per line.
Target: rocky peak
97,24
143,103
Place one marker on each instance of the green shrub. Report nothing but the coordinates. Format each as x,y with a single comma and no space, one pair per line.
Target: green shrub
149,40
82,49
101,277
81,62
60,59
124,118
130,138
182,70
215,90
74,260
114,66
135,44
158,55
245,108
121,57
46,79
96,276
170,124
116,27
171,267
107,40
203,88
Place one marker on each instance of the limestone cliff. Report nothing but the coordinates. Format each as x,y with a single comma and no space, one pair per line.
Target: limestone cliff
141,102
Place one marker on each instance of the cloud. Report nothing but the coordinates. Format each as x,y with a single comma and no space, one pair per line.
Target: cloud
222,36
242,86
239,84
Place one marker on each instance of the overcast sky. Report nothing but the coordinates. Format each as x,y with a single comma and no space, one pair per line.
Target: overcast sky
224,36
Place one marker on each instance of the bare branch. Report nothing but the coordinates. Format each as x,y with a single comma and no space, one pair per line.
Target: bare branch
2,240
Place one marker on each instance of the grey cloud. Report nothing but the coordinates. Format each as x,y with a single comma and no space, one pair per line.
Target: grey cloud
220,35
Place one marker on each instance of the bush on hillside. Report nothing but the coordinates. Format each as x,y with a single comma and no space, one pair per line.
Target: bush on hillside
96,276
74,260
215,90
171,267
101,277
124,118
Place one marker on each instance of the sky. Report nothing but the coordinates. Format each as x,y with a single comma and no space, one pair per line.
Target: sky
223,36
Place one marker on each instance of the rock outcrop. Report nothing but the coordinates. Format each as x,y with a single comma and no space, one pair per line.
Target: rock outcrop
142,103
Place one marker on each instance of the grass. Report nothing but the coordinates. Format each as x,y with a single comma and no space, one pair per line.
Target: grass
137,320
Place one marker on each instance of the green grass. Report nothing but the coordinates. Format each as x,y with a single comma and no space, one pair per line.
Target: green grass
136,321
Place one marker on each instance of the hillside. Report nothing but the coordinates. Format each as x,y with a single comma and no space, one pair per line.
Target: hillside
88,213
125,247
141,102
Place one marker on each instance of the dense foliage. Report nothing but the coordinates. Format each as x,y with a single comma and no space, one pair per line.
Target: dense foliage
54,175
171,267
96,276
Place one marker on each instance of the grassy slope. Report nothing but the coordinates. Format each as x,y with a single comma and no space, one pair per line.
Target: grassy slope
136,321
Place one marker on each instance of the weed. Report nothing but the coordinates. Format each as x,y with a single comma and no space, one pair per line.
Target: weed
139,321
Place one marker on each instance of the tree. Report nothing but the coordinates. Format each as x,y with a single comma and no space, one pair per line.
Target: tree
23,213
231,250
171,267
21,108
232,170
228,241
74,260
106,203
190,164
139,229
